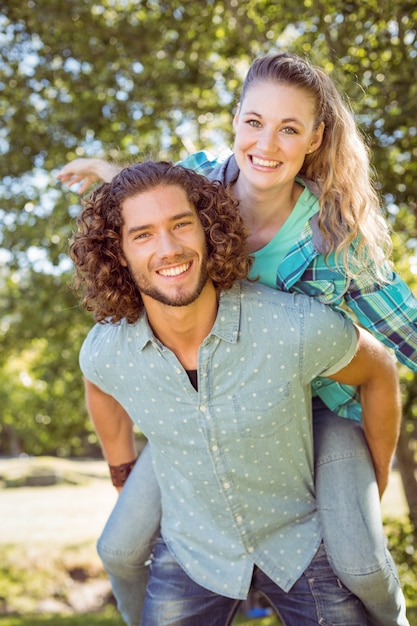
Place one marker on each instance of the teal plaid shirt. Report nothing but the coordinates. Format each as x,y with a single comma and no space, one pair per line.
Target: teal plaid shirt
388,311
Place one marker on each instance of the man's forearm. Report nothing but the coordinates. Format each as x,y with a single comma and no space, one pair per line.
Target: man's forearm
374,370
381,413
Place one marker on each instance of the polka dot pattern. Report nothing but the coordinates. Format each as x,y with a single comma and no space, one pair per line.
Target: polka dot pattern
235,459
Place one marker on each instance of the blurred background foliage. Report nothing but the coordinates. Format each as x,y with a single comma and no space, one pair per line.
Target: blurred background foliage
136,79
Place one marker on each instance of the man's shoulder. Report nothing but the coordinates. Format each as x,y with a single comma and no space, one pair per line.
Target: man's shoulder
107,333
257,292
256,295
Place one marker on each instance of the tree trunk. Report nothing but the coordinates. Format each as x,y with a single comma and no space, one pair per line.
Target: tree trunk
13,442
407,468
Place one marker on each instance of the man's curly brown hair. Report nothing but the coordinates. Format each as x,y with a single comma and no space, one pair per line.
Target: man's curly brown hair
104,284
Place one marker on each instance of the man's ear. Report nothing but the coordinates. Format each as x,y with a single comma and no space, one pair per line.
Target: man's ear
122,260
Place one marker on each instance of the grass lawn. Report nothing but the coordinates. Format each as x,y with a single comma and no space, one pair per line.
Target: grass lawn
109,617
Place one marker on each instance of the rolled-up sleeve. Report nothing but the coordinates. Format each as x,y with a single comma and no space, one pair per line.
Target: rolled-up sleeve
389,312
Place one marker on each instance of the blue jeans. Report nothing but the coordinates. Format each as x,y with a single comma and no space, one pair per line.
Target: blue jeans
318,597
347,501
127,540
350,516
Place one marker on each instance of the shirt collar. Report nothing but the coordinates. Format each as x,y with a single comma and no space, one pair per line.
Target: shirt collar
227,171
227,322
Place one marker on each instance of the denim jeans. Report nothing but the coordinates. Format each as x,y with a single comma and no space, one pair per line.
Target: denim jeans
347,501
318,597
350,516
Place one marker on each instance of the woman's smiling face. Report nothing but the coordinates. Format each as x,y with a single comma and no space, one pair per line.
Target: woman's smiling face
274,130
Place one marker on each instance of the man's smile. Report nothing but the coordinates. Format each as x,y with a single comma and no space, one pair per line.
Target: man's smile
175,271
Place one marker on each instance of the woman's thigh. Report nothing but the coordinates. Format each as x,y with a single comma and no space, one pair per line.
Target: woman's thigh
347,494
135,520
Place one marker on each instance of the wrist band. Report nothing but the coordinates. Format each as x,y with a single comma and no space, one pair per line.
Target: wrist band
119,473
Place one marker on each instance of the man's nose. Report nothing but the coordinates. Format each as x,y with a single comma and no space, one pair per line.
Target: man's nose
168,244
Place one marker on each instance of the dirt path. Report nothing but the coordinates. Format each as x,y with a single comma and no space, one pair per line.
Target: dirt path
61,514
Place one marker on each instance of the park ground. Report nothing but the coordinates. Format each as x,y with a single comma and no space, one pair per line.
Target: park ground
48,533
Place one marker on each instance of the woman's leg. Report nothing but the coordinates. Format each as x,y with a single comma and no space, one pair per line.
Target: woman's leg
126,542
350,515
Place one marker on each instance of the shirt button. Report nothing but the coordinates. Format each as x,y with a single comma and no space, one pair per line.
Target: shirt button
239,519
203,408
214,448
226,485
250,549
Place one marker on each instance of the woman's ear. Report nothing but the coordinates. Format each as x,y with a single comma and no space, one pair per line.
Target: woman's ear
236,116
316,138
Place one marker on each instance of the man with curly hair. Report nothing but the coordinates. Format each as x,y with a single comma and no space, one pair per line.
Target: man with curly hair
216,372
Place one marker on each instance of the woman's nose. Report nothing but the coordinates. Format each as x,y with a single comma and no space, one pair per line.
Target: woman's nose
268,141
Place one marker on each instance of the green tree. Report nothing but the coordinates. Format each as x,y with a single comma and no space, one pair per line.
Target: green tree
150,78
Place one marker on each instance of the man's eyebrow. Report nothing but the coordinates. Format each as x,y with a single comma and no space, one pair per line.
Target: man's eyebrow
179,216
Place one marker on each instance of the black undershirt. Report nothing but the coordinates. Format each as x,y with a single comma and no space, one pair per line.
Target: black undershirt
192,375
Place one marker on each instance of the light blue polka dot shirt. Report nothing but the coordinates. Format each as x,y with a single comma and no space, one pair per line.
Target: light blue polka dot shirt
234,459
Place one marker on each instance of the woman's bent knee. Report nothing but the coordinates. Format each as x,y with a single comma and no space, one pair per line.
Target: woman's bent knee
119,562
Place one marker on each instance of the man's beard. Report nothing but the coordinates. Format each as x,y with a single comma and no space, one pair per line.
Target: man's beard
178,299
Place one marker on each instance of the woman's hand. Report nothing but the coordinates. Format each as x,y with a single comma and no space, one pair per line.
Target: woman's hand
87,172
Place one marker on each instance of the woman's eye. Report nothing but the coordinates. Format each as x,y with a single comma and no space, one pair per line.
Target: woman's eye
254,123
288,130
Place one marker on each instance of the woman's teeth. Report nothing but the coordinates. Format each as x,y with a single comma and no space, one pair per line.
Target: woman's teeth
264,163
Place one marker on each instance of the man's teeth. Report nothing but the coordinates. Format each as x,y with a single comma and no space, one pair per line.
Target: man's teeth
175,271
264,163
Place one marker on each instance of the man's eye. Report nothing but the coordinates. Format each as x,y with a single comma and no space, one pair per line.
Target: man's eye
288,130
182,224
142,236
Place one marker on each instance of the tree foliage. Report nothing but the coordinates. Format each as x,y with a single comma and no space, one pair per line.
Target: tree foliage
150,78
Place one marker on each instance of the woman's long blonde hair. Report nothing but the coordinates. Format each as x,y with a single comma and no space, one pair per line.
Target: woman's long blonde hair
350,217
